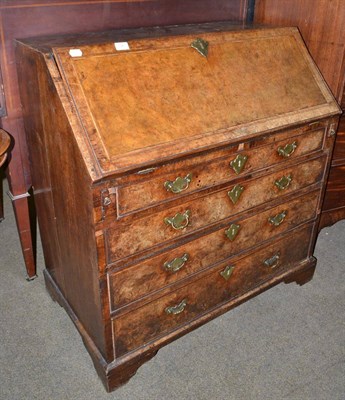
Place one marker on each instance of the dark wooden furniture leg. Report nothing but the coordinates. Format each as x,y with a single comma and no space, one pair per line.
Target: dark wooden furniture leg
18,193
4,146
1,200
21,210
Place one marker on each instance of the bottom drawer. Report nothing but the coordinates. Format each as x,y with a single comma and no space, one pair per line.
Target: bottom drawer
221,284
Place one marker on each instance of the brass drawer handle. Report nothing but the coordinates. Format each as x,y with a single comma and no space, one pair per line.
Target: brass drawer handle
238,163
277,219
273,261
179,221
201,46
227,272
176,264
235,193
287,150
177,309
232,231
283,182
179,184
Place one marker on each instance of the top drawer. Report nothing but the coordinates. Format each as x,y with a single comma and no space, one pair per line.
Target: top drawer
150,187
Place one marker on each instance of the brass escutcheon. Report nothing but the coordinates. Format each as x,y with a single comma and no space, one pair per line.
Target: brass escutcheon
177,309
235,193
277,219
179,184
201,46
283,182
227,272
232,231
176,264
238,163
179,221
287,150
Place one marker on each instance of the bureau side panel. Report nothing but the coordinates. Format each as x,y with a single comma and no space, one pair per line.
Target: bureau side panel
65,209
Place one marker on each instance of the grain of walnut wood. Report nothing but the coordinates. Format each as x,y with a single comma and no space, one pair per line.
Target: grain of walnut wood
71,17
71,178
322,25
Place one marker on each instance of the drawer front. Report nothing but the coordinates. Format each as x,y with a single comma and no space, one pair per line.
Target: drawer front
141,279
223,283
213,171
163,226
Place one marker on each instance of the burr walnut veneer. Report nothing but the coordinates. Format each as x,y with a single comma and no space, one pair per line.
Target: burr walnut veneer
28,18
322,26
177,172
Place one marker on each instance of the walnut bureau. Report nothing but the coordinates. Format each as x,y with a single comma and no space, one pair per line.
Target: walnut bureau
177,173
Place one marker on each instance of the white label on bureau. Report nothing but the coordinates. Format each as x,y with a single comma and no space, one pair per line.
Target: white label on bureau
75,53
120,46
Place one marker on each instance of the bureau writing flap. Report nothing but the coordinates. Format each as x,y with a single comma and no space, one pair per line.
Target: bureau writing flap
146,97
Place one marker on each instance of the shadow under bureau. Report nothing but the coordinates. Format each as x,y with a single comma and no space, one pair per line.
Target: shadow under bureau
177,172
